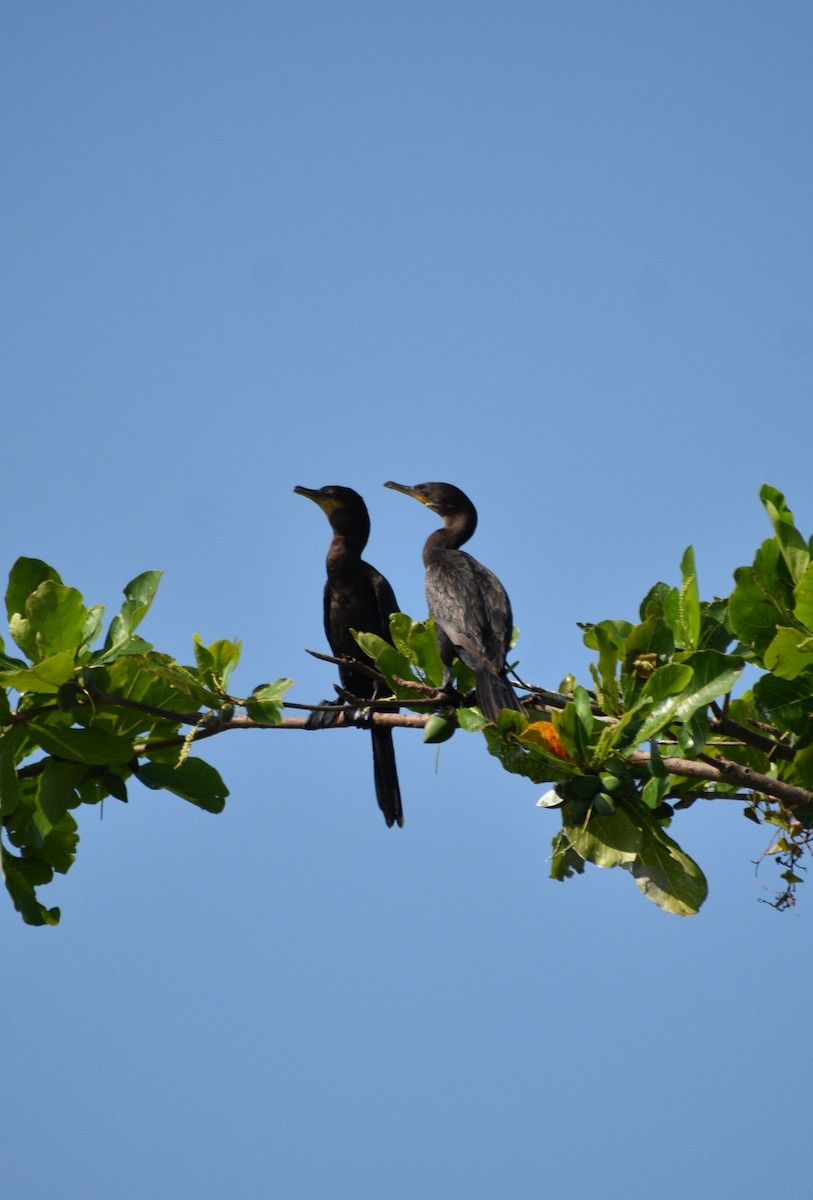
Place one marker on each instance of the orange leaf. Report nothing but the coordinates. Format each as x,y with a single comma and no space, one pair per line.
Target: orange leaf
543,734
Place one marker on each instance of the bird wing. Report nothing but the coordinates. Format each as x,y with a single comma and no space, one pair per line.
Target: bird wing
364,603
472,608
385,599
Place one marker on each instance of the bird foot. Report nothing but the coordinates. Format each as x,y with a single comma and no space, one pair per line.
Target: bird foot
360,716
325,718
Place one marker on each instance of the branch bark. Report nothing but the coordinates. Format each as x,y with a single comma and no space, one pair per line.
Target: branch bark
714,769
722,770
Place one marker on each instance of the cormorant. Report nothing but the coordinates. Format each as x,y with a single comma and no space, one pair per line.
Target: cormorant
471,610
357,596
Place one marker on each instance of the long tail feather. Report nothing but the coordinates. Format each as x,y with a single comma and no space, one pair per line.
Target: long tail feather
387,791
495,693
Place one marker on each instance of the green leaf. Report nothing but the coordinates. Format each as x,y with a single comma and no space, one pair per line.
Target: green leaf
713,675
9,665
22,876
422,643
116,784
55,621
509,721
417,642
682,607
58,842
56,791
743,709
788,703
790,653
81,745
574,726
803,593
58,615
608,645
715,632
193,780
565,862
129,646
67,696
792,544
659,701
615,632
801,771
462,678
45,677
652,637
11,742
634,840
400,628
471,720
674,692
392,664
667,682
185,682
24,578
139,595
137,678
649,646
654,601
93,627
217,661
265,702
667,875
606,841
694,733
762,599
655,790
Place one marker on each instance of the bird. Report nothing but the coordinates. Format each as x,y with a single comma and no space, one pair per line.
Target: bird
469,605
357,596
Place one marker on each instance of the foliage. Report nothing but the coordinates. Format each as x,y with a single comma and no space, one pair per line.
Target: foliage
88,721
658,729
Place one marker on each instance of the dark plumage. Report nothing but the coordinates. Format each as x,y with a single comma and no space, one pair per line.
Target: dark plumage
469,605
357,596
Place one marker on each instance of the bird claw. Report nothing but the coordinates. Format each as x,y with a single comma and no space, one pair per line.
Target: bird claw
360,716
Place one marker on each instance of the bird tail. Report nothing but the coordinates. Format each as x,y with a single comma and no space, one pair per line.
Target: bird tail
387,791
494,693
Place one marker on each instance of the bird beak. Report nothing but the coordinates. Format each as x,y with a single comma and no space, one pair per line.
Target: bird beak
326,503
408,491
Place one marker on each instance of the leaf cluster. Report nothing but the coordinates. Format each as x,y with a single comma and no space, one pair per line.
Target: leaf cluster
80,721
658,728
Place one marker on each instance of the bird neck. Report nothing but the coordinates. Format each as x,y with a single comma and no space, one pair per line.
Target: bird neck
457,529
345,550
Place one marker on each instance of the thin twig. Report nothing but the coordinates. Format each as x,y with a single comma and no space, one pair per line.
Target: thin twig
344,661
150,709
750,737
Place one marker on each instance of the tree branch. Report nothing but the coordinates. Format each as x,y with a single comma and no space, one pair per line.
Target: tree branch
771,746
391,719
714,769
722,770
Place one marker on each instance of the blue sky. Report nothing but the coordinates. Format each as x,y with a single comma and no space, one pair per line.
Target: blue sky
558,254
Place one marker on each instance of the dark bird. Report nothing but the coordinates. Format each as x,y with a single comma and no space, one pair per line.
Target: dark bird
471,610
357,596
